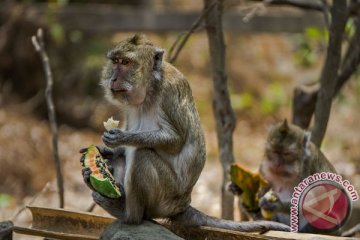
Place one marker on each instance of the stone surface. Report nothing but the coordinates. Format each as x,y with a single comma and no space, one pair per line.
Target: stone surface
147,230
6,230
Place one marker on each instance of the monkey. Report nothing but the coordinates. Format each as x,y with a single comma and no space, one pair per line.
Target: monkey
290,157
158,154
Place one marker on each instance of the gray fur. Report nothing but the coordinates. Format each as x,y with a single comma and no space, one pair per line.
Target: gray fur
163,143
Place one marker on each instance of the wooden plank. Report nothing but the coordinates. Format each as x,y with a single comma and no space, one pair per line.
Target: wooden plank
104,19
67,224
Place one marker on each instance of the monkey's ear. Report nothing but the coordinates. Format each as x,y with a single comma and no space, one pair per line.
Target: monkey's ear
306,144
158,59
138,39
284,126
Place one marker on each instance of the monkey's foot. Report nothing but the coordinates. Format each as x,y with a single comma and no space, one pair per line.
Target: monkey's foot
114,206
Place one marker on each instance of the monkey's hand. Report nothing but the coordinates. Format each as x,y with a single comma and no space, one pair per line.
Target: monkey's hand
114,206
86,172
271,206
113,138
234,189
109,155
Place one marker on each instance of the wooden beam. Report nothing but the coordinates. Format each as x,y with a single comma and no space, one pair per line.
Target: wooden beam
103,19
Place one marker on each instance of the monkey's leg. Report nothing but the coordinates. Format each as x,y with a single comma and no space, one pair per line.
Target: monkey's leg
151,188
114,206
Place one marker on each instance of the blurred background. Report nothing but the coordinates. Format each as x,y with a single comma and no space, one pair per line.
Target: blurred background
270,50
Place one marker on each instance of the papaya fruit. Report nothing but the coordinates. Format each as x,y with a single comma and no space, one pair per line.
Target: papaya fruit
100,178
250,183
270,197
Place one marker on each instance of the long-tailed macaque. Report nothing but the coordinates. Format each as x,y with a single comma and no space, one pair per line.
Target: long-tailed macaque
161,149
290,157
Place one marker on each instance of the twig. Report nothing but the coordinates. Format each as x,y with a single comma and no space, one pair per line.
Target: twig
254,10
326,12
32,200
352,231
306,5
39,45
91,207
184,37
352,58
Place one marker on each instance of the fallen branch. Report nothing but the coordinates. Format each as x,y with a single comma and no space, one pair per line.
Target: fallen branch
39,45
32,200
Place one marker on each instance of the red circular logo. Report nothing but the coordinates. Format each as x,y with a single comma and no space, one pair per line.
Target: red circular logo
325,206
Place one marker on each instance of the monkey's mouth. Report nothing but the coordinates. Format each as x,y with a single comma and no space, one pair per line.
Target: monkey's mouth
118,90
280,171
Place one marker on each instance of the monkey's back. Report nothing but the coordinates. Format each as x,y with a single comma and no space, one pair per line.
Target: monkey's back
179,106
317,163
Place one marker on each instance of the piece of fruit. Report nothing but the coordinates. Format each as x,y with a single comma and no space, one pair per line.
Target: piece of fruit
110,124
100,178
270,196
266,214
250,183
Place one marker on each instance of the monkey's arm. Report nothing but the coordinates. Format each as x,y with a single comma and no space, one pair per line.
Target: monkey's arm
163,137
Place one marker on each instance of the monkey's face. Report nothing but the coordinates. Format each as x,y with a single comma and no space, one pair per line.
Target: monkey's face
128,71
284,151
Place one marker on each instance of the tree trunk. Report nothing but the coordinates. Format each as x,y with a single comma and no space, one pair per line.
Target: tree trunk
330,71
223,113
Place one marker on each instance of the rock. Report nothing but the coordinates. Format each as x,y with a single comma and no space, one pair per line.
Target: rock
6,230
148,230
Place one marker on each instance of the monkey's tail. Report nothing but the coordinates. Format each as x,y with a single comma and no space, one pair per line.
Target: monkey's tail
194,218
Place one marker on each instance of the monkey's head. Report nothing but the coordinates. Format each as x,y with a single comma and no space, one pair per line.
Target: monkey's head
133,67
286,149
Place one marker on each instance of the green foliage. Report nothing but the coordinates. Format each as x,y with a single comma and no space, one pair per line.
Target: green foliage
95,56
241,101
273,99
349,28
75,36
5,200
309,44
57,32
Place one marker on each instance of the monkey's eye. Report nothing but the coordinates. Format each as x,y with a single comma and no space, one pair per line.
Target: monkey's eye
115,60
125,61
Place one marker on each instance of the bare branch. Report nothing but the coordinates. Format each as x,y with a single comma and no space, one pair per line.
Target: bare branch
184,37
31,202
39,45
303,4
223,112
330,70
352,58
304,101
91,207
326,12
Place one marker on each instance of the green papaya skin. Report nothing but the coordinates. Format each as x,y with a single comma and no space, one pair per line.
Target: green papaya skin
105,187
101,179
